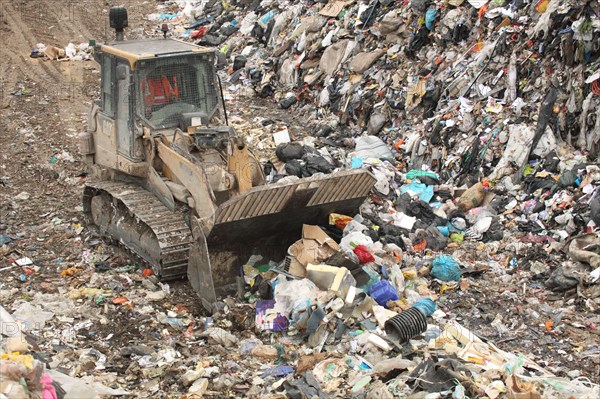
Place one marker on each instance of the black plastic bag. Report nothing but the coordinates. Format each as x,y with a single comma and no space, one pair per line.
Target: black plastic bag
316,164
287,102
296,168
287,151
239,62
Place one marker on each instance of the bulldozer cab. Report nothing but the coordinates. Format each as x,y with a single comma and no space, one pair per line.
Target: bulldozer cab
152,84
166,75
175,85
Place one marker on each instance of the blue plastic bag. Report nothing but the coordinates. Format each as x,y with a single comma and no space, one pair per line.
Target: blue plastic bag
415,174
444,230
446,268
430,18
278,372
267,17
424,192
426,306
356,163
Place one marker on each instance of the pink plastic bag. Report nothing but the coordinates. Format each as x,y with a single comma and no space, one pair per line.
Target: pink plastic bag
48,392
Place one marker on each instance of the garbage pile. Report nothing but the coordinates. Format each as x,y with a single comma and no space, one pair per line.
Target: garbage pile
472,270
472,91
488,112
365,304
423,72
480,121
24,373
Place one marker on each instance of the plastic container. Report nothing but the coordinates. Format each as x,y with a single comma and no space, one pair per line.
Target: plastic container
382,292
406,325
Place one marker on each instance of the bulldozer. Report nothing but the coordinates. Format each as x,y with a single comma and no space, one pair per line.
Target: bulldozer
174,184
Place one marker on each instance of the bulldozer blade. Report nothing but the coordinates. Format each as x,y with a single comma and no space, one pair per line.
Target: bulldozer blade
199,268
266,220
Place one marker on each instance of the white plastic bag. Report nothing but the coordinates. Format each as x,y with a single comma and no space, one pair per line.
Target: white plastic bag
324,97
353,226
70,50
248,23
397,279
355,238
294,296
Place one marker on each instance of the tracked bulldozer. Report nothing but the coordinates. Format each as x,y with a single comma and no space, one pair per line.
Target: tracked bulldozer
174,184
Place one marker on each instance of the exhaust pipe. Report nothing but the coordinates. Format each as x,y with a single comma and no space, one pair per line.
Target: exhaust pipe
118,20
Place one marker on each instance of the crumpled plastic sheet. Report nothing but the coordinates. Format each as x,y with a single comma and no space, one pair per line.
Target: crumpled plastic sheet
586,249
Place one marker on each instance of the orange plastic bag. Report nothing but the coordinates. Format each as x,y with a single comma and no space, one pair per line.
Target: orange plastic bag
120,300
420,246
147,272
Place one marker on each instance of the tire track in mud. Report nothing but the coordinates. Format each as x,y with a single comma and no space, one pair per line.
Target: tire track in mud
51,22
17,67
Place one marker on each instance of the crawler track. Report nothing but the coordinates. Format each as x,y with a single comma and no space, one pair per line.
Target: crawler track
140,222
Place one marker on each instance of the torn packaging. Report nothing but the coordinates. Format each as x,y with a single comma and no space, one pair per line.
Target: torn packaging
334,8
314,247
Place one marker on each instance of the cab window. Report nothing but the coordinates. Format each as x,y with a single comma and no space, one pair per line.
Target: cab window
108,89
